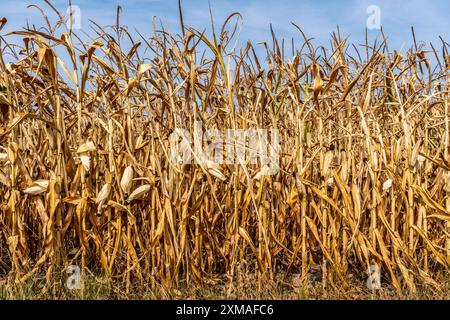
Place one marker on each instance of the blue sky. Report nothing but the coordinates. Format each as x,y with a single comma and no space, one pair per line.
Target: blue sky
317,18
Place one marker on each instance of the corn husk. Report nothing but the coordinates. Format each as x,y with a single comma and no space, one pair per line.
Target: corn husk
139,193
127,180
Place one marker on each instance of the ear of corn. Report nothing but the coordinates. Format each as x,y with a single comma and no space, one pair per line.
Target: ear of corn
127,180
139,193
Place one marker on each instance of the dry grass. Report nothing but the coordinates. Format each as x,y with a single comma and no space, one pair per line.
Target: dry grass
103,288
364,161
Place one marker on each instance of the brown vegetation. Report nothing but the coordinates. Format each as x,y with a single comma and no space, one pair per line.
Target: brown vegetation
364,166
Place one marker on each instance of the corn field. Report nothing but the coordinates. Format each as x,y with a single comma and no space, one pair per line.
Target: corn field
86,176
